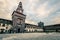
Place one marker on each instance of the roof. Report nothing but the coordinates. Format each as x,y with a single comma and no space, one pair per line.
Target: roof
52,25
5,19
18,13
30,24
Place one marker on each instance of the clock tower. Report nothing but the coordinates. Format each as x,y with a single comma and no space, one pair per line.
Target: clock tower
18,19
20,9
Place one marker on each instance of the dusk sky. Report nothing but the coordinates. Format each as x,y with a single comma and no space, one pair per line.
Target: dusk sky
47,11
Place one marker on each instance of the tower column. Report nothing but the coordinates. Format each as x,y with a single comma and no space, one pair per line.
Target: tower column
18,19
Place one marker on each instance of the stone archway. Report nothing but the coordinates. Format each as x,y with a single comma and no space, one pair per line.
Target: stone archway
18,30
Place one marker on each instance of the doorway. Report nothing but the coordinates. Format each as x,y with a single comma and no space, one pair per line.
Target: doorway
18,30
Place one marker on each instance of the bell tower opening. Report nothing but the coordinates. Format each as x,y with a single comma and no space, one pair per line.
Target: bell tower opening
20,8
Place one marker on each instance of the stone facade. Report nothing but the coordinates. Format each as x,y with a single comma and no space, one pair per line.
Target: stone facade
32,28
5,25
17,24
18,19
41,24
52,28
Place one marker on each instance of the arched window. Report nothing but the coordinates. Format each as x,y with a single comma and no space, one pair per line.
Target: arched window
5,25
8,27
1,24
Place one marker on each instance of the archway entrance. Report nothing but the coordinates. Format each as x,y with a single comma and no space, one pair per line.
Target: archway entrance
18,30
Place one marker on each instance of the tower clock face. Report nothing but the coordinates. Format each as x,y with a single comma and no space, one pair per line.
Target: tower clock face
20,11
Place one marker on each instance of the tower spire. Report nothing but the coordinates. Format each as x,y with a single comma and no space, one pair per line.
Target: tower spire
19,8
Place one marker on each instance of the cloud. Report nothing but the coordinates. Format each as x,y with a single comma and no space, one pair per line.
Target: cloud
6,8
35,10
55,20
3,9
31,22
41,10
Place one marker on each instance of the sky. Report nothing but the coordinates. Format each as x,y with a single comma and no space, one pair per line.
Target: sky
47,11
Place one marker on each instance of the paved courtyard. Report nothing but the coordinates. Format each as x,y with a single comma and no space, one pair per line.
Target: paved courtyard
30,36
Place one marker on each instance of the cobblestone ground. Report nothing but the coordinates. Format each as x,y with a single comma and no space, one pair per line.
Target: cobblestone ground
30,36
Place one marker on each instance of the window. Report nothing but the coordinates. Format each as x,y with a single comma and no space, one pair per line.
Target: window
1,24
9,26
5,25
20,6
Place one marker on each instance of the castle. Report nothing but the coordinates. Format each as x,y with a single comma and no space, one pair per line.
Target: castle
18,25
18,19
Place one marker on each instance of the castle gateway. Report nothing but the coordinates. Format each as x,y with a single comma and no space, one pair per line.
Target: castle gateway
18,19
